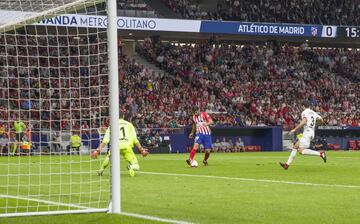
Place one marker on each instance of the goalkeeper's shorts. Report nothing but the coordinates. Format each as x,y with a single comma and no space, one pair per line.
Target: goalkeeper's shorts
128,155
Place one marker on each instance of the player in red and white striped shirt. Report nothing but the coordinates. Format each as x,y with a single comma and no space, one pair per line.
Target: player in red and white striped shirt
201,123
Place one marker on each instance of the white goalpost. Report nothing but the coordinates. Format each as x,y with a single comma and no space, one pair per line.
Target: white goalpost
114,106
59,87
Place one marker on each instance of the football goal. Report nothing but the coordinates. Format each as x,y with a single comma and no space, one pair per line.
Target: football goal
59,91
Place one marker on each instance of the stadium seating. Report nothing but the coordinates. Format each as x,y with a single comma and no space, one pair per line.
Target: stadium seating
278,11
234,80
353,145
190,9
50,107
227,80
335,147
253,148
133,5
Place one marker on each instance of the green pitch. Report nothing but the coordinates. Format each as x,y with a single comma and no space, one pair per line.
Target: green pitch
234,188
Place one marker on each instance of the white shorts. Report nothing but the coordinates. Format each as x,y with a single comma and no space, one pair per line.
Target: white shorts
305,141
3,144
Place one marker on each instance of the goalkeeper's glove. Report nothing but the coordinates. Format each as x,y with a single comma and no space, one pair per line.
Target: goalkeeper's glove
144,152
94,154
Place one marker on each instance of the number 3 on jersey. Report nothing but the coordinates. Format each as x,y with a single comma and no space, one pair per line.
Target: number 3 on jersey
312,121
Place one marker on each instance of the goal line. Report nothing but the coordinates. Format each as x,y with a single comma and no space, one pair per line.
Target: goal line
78,209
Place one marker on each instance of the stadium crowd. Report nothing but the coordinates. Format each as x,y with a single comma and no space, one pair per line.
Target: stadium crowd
190,10
63,87
57,82
234,80
133,5
332,12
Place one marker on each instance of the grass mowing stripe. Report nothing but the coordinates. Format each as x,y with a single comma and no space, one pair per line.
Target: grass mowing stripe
43,201
254,180
153,218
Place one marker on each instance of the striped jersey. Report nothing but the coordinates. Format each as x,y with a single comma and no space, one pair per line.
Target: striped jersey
199,121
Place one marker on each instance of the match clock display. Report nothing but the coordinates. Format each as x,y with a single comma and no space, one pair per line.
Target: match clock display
349,32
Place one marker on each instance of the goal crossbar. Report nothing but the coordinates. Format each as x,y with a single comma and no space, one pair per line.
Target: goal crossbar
32,17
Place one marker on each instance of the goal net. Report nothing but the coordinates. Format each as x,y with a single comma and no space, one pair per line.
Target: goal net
53,107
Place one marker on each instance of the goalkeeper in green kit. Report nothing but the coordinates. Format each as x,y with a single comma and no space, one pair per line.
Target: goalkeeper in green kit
128,139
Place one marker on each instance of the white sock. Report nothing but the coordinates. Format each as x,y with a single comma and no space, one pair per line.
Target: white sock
310,152
292,156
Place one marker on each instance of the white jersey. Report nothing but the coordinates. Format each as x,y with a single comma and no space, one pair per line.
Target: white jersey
309,128
311,116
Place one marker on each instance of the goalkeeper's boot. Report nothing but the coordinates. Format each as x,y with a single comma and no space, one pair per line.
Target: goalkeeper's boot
205,162
323,156
100,172
131,171
284,165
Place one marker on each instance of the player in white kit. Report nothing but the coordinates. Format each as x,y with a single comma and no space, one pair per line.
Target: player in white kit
309,119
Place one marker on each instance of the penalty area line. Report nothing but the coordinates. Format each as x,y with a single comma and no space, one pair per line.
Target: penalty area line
253,180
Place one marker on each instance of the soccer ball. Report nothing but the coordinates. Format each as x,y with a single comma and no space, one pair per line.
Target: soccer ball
194,163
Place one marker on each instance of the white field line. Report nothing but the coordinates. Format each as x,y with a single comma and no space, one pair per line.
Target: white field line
86,209
253,180
253,157
43,201
154,218
61,212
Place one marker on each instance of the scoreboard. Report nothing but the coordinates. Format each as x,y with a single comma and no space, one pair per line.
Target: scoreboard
207,26
329,31
352,32
348,32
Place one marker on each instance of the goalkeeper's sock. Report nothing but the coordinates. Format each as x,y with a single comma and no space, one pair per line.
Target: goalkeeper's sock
192,154
105,163
14,149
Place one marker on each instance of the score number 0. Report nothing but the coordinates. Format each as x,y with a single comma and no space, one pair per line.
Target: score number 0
329,31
